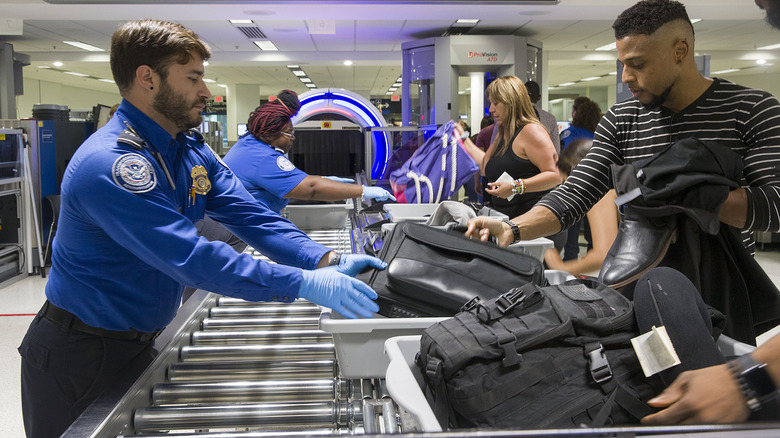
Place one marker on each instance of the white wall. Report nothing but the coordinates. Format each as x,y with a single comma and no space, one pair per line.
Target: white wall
767,82
36,91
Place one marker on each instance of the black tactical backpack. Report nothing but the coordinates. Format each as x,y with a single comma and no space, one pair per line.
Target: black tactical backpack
537,357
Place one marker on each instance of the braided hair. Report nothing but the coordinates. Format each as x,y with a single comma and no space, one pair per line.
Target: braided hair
270,118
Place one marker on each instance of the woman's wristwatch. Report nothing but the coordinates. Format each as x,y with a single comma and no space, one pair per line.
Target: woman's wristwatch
754,380
515,230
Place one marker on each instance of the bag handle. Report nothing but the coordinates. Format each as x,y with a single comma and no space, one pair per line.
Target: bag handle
460,245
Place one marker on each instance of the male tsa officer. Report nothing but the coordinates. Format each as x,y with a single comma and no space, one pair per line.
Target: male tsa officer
126,243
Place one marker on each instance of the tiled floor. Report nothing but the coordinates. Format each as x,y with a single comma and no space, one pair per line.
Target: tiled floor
21,300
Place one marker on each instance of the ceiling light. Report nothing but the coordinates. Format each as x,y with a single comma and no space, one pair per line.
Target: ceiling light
75,74
205,63
397,84
299,73
43,66
592,78
305,80
57,64
565,84
610,46
772,47
695,20
241,21
612,73
266,45
722,72
110,81
392,89
210,81
222,85
311,85
293,66
760,61
347,62
467,21
84,46
461,92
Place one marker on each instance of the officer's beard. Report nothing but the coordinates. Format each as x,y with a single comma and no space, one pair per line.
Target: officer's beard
176,109
773,13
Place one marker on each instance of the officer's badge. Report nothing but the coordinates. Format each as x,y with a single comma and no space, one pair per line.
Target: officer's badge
284,164
200,180
134,173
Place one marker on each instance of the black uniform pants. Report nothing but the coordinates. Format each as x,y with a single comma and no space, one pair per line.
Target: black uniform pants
64,370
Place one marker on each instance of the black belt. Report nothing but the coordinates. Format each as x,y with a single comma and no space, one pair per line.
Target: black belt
61,316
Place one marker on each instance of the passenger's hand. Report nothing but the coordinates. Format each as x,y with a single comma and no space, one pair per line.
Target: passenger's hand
457,130
377,194
339,179
349,297
501,189
707,395
353,264
481,228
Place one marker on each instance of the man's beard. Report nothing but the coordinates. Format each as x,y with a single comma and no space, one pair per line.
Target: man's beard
773,13
657,99
175,108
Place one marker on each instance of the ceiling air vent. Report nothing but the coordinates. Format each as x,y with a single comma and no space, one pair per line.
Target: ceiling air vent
252,32
457,30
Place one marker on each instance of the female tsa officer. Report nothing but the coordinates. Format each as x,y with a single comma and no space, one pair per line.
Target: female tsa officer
258,161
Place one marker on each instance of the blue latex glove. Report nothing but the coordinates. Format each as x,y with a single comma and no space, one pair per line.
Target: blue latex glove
339,179
353,264
377,193
345,295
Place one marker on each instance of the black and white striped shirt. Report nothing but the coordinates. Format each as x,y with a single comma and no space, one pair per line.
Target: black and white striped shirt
747,120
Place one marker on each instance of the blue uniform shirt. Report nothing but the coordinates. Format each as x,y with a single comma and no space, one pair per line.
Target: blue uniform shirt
126,240
573,133
265,172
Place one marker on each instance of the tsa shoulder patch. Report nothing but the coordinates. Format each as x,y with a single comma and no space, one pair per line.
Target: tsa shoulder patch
284,164
134,173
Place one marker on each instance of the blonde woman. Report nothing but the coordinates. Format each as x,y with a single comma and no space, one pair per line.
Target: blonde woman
520,162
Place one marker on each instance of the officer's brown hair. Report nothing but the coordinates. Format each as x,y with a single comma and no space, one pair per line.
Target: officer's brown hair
155,43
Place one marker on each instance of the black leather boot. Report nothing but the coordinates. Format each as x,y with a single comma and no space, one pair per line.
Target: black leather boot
640,244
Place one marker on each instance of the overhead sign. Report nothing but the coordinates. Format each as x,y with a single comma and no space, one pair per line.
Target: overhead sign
482,50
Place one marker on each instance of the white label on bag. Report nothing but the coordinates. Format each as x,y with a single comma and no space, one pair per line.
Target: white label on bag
655,351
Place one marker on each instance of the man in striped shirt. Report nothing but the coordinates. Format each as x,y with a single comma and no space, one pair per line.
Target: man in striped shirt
671,100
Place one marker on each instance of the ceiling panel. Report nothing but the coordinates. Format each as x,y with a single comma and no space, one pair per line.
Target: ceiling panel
371,36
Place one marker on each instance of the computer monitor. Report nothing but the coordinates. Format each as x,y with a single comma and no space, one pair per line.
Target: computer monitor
241,129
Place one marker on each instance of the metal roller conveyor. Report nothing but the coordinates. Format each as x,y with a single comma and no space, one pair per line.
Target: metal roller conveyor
251,434
250,392
257,415
265,310
199,353
270,322
230,301
260,336
251,370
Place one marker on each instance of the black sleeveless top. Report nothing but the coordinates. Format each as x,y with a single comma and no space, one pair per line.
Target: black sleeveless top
517,168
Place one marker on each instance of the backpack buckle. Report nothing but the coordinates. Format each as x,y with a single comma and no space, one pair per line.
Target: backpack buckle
599,365
470,304
510,300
